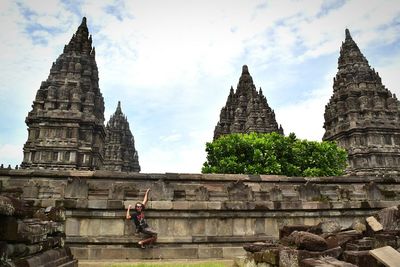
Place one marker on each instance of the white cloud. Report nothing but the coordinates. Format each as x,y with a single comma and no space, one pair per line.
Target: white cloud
172,62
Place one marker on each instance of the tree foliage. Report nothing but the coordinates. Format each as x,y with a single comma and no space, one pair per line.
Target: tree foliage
273,153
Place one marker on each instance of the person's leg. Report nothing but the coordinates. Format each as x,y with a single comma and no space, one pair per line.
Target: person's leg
152,236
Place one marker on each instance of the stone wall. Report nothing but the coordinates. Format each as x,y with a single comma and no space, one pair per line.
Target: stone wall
196,215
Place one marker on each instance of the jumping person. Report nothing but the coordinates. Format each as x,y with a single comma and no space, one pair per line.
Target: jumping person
140,222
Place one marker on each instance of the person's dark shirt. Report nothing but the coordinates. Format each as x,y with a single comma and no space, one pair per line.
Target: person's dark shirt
139,220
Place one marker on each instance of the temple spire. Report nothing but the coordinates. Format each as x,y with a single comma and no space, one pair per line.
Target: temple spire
68,110
118,111
246,110
119,152
362,116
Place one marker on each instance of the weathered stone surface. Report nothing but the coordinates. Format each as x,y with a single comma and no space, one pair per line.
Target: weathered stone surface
246,110
330,226
374,224
362,116
386,255
257,246
360,258
389,218
289,257
307,241
358,226
119,151
325,262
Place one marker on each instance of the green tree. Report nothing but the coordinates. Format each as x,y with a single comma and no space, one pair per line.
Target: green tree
273,153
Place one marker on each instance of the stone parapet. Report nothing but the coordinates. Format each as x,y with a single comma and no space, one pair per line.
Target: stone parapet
194,211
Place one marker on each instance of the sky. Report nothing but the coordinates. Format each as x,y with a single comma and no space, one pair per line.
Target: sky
172,63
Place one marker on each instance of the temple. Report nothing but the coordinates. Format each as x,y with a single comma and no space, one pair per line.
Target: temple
362,116
120,153
66,124
246,110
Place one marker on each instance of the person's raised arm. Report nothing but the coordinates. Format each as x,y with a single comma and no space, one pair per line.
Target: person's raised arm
128,214
146,197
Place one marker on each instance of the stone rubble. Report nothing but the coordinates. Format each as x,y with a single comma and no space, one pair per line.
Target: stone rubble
32,238
300,246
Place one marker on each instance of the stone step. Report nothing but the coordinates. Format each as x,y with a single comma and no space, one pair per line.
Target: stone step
159,251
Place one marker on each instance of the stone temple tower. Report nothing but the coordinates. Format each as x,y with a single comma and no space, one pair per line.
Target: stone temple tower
120,153
66,123
246,110
362,116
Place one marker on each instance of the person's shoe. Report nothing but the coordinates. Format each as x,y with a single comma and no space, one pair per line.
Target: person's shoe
141,245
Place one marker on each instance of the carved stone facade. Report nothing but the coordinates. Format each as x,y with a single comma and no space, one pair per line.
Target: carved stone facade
246,110
120,153
362,116
66,123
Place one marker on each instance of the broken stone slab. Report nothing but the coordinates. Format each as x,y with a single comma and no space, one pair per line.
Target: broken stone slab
288,229
305,240
389,218
289,257
358,226
257,246
325,262
386,255
373,223
360,258
330,226
270,256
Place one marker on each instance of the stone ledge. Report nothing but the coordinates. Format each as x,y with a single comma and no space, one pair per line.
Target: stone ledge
157,252
125,176
169,214
165,240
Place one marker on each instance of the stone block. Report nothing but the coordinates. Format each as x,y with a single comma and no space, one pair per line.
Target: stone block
259,226
198,227
77,188
31,191
214,205
289,257
48,203
206,252
231,252
115,204
72,226
225,227
181,227
270,256
180,205
373,224
80,253
198,205
161,205
97,204
178,253
250,226
113,253
67,203
81,203
89,227
271,227
239,226
211,227
386,255
360,258
111,227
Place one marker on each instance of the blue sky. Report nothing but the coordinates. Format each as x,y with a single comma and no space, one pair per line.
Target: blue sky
171,63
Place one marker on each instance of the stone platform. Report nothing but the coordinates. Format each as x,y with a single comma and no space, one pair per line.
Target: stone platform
197,216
